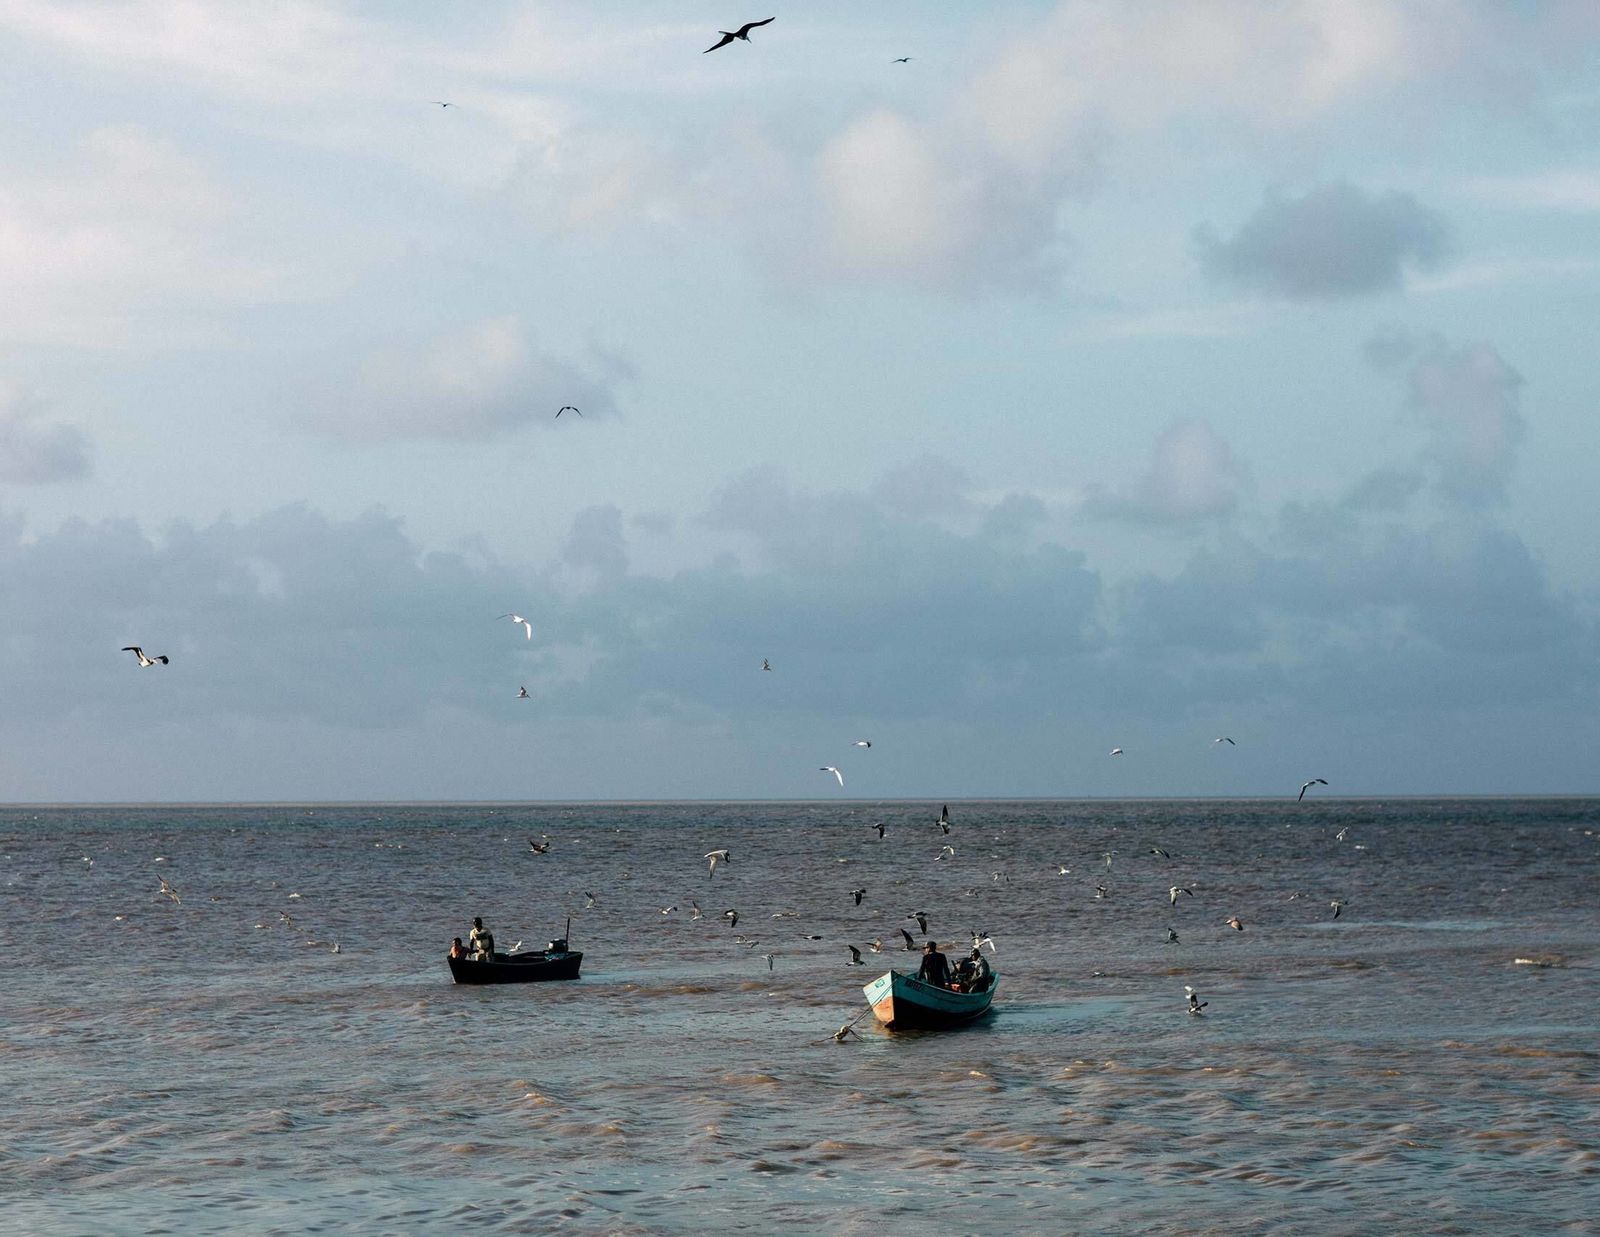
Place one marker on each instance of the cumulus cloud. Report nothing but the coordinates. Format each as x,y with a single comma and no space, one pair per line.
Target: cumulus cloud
1468,399
1333,241
1193,476
479,383
35,451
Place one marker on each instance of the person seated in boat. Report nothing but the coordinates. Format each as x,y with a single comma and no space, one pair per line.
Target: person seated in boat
457,949
977,972
482,941
935,968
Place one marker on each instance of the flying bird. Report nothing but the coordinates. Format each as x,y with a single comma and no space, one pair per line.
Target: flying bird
1342,834
922,920
1172,937
1224,739
862,743
441,103
1063,870
944,818
876,946
541,847
855,956
715,857
765,664
878,826
1234,922
694,909
140,654
945,851
910,944
1338,905
743,32
732,917
858,894
902,60
1195,1003
567,408
591,902
522,694
1116,751
1305,786
1156,850
169,891
1173,893
831,769
517,618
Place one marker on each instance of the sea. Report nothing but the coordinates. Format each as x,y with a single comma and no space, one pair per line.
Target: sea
1426,1060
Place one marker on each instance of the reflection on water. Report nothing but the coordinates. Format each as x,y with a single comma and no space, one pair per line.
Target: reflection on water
215,1065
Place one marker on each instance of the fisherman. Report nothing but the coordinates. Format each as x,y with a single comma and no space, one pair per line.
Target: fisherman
978,971
935,968
482,942
457,949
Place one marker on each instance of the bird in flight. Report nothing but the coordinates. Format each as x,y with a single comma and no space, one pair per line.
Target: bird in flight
858,894
1173,893
522,694
733,920
765,664
855,956
517,618
1224,739
910,944
1156,850
1116,751
567,408
143,659
1338,905
944,818
1195,1003
441,103
922,920
862,743
902,60
1305,786
945,851
1234,922
831,769
169,891
541,847
879,827
876,946
743,32
715,857
1172,937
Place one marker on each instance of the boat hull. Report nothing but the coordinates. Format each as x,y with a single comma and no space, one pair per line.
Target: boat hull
903,1003
517,968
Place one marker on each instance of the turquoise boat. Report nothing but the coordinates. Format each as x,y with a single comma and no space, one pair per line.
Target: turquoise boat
905,1003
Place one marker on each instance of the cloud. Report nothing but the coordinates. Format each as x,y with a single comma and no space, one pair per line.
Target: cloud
34,451
1334,241
1468,399
1192,477
1563,190
479,383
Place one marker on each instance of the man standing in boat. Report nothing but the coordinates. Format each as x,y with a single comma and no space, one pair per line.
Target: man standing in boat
482,941
935,967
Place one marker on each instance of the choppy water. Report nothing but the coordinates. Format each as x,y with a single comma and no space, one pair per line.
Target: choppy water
206,1067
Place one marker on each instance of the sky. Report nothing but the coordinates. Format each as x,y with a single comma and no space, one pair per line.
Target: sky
1100,376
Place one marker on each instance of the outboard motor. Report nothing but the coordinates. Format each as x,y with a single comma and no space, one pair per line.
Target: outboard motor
557,946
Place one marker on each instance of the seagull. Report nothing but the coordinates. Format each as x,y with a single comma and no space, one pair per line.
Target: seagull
1305,786
855,956
1195,1003
169,891
1338,905
1107,857
922,920
1063,870
517,618
1342,834
541,847
878,826
743,32
287,921
669,910
902,60
441,103
1116,751
980,939
140,654
910,944
522,694
945,851
834,771
765,664
1100,891
591,901
876,946
769,958
944,818
1172,937
862,743
1224,739
1175,891
715,857
732,917
1156,850
517,948
1234,922
694,909
858,894
567,408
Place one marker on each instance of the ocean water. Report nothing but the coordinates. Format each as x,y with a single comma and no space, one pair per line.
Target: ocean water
206,1066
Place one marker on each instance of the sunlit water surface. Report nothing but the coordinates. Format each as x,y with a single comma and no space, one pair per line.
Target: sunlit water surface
207,1067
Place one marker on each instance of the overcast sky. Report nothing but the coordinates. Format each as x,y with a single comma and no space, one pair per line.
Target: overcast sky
1103,376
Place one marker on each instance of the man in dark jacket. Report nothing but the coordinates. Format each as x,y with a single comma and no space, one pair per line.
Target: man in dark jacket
935,967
